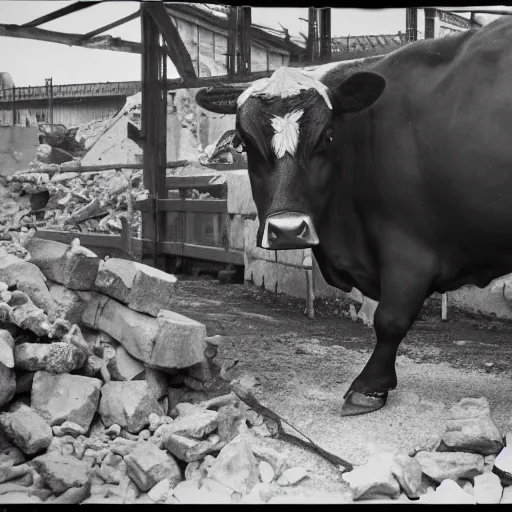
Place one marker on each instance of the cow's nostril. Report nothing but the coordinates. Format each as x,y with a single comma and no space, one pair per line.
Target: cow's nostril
273,235
304,230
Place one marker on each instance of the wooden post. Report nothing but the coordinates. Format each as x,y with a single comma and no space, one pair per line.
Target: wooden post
154,105
245,41
430,20
411,23
232,40
13,105
444,307
311,43
325,35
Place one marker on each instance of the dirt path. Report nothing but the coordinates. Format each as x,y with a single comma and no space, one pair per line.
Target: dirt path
304,366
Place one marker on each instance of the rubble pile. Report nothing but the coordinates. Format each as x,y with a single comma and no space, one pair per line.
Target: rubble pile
71,201
470,464
108,396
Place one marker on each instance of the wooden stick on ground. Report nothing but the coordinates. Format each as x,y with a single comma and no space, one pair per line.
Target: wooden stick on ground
248,397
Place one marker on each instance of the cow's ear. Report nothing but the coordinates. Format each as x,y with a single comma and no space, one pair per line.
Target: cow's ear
358,92
221,100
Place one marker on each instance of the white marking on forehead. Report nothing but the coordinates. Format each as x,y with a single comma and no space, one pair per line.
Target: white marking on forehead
283,83
286,137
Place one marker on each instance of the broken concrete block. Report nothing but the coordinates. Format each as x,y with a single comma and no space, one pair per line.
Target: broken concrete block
6,348
372,481
236,467
7,384
62,397
56,357
27,430
27,277
135,331
448,492
266,472
179,342
128,404
196,425
230,417
142,288
61,472
470,428
73,266
68,304
450,465
503,465
147,465
157,382
487,488
69,428
123,366
184,448
21,311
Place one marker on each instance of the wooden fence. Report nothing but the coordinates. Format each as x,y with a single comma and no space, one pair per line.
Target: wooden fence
194,228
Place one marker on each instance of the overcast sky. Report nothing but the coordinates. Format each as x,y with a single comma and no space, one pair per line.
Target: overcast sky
29,62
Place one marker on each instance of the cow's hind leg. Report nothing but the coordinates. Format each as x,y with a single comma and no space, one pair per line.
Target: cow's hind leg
403,292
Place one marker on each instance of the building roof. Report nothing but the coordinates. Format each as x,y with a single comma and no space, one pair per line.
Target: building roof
371,42
99,89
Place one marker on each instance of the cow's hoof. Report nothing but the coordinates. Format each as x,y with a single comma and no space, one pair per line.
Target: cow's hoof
358,403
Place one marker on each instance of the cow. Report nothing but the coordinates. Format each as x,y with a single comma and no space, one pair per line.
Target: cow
396,170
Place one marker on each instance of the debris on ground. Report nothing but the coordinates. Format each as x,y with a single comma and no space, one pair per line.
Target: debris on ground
110,399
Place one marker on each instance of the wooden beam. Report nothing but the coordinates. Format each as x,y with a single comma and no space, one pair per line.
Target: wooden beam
325,34
77,6
245,41
232,41
110,26
96,43
183,205
153,132
176,47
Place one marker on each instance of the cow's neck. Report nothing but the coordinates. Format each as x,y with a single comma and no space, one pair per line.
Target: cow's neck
343,239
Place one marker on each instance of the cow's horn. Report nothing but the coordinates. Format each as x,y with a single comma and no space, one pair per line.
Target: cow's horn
221,100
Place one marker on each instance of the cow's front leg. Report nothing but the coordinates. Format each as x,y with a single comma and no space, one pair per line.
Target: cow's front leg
402,295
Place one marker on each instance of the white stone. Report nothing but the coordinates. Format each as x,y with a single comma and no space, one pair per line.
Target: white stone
448,492
266,471
158,492
487,488
292,476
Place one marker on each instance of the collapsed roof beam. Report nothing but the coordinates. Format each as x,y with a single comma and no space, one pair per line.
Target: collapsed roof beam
77,6
97,43
176,48
112,25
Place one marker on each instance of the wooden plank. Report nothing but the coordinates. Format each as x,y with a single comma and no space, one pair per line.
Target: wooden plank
183,205
110,26
232,41
176,47
97,43
201,181
245,40
325,35
69,9
151,135
92,239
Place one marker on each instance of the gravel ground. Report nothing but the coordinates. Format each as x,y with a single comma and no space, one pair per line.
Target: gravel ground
304,366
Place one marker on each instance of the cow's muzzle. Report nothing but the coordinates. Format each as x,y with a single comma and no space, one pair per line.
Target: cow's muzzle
290,230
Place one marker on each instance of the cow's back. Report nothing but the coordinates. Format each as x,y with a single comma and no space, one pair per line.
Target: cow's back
442,141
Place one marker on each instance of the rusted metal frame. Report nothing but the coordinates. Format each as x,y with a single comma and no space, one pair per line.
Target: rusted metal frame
59,13
199,181
411,23
311,41
110,26
176,48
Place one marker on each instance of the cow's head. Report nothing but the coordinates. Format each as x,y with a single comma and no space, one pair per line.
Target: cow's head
287,126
